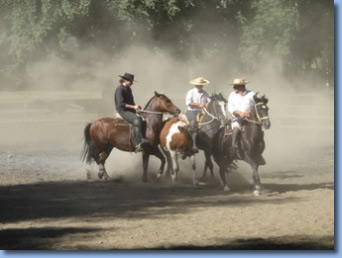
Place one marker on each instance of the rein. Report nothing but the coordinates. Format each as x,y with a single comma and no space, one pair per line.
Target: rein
258,122
212,117
153,112
150,112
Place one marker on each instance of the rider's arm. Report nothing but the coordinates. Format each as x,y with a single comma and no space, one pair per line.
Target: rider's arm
196,105
189,102
135,107
119,99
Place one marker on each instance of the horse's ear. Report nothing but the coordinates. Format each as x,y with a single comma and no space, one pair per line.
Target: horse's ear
156,94
255,96
222,98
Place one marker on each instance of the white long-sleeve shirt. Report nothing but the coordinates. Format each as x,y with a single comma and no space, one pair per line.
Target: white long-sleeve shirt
194,95
239,102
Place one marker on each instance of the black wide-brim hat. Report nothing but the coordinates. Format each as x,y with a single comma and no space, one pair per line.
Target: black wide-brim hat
128,77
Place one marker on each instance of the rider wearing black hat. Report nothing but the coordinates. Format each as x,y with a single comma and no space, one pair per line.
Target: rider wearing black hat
126,107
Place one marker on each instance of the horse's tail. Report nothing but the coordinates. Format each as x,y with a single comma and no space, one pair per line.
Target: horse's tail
87,153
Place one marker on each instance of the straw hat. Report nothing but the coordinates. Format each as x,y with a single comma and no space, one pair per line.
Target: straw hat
199,81
240,81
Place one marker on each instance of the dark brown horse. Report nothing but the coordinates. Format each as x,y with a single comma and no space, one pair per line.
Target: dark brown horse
251,143
104,134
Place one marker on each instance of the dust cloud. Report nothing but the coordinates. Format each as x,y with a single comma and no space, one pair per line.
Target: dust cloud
302,116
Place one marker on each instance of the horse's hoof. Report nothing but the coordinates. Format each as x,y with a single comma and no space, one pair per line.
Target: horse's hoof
203,179
107,177
201,183
100,175
159,175
226,189
195,183
258,187
256,193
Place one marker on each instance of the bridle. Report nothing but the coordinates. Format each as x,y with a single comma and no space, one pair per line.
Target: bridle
259,118
155,112
213,117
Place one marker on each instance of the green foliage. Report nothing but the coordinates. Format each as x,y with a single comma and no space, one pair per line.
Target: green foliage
272,29
191,29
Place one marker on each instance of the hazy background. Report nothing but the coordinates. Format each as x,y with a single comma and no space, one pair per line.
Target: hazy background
84,46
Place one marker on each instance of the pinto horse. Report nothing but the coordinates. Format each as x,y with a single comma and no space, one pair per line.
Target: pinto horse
104,134
175,141
251,143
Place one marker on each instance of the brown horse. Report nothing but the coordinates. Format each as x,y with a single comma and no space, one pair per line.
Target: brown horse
251,143
104,134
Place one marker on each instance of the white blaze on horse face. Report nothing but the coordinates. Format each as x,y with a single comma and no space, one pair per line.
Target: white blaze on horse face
173,129
222,105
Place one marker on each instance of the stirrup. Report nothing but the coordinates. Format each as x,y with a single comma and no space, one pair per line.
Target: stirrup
138,148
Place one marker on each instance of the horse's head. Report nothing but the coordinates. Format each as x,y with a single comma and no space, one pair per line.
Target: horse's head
162,103
261,111
217,107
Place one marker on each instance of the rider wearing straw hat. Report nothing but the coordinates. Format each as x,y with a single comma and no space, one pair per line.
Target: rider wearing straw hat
240,102
196,99
126,107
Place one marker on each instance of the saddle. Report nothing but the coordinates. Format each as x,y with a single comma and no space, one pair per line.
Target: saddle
229,131
119,121
200,118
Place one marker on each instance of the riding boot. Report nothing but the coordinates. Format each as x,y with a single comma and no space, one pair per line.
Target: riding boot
235,151
193,130
140,141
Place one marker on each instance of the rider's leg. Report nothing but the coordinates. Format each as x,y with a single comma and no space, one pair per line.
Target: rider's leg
235,151
136,121
139,139
193,128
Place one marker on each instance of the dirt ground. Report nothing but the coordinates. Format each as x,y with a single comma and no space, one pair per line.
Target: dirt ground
51,200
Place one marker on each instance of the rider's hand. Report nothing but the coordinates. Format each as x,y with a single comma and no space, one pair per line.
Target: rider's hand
246,114
137,107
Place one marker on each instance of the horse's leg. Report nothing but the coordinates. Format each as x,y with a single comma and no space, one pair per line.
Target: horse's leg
256,178
101,162
223,169
204,174
160,154
193,166
175,166
169,168
209,162
145,157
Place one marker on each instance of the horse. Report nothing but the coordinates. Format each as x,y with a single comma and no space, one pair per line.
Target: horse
251,143
175,140
104,134
214,117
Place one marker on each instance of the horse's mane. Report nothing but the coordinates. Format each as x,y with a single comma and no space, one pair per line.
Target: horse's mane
148,102
260,99
156,95
219,97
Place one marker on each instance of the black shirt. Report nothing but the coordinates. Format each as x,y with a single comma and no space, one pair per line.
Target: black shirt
123,95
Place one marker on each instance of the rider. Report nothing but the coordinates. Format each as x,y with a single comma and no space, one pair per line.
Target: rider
240,102
126,107
196,99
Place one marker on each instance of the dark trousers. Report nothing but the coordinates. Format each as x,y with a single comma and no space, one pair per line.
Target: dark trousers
136,121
